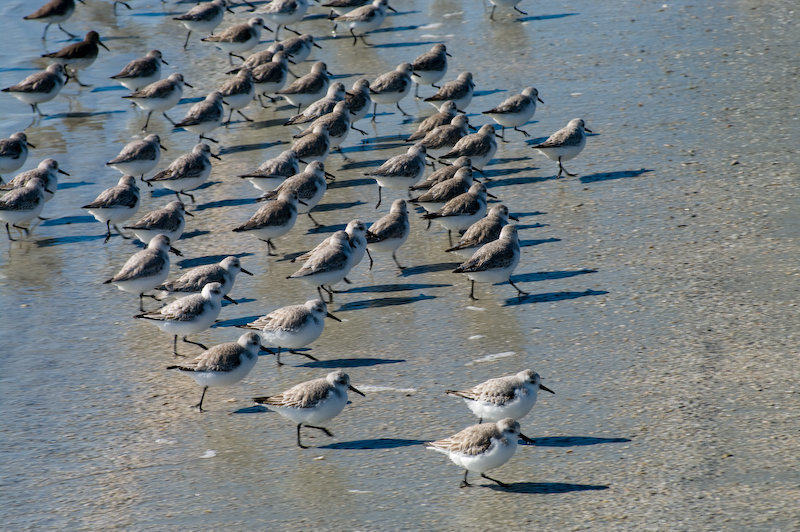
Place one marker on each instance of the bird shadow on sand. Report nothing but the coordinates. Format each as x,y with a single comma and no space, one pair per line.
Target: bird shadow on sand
518,181
224,203
376,443
161,192
47,242
546,487
255,409
429,268
208,259
236,322
347,183
80,114
608,176
248,147
382,288
327,207
406,44
348,363
534,18
535,242
67,220
382,302
550,297
548,276
572,441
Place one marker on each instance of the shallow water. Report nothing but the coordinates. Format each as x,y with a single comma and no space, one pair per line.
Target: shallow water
637,270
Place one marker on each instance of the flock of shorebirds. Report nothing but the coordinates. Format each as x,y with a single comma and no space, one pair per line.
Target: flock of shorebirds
452,196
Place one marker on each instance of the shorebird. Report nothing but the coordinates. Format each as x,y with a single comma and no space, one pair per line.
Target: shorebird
78,56
141,72
494,262
39,87
565,144
510,396
54,12
116,204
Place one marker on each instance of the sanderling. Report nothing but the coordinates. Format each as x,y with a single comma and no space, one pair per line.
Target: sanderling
401,171
430,67
285,12
315,401
54,12
340,7
39,87
168,220
482,447
204,117
160,96
443,174
479,147
146,269
358,100
299,48
309,88
337,122
458,91
320,107
22,205
310,185
494,262
389,232
78,56
188,315
238,92
194,280
515,111
365,19
391,87
329,265
187,172
314,146
138,157
356,230
485,230
446,113
116,204
505,3
47,170
565,144
435,197
512,396
273,219
293,327
141,72
270,77
259,58
273,172
239,38
223,364
203,18
13,153
461,211
442,139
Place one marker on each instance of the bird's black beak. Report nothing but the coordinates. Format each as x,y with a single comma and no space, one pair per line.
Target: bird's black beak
315,44
49,191
527,439
245,271
542,386
349,387
512,217
215,156
60,171
230,300
540,100
290,61
165,62
331,316
175,251
229,10
586,129
330,176
267,28
103,45
30,145
187,213
490,195
393,10
187,85
162,147
448,54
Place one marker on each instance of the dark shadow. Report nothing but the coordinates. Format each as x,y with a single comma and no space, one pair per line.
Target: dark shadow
517,181
156,14
192,234
547,276
430,268
545,17
321,230
506,160
528,213
73,184
326,207
66,220
372,147
247,147
477,94
238,301
608,176
551,296
572,441
406,44
349,363
382,302
262,124
81,114
500,172
47,242
235,322
378,443
161,192
208,259
255,409
183,101
108,88
529,243
384,138
531,226
383,288
546,487
224,203
352,183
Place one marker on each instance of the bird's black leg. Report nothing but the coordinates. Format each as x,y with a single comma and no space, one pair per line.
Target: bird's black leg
464,483
198,344
199,406
503,484
520,293
472,291
298,437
